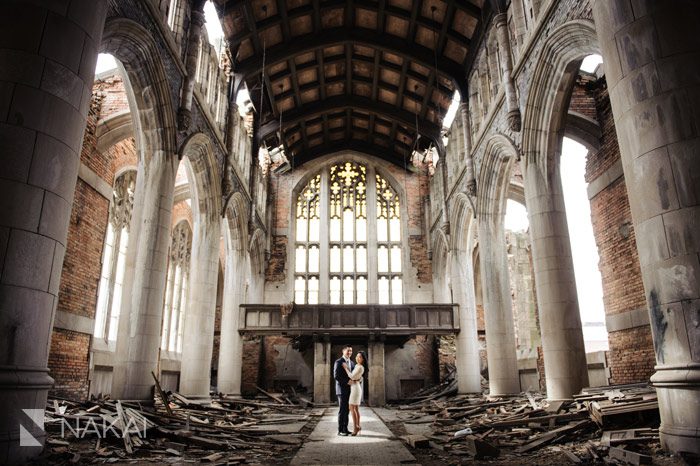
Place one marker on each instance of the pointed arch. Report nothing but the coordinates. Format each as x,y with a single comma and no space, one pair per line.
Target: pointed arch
134,47
546,110
494,176
257,252
237,222
461,222
205,176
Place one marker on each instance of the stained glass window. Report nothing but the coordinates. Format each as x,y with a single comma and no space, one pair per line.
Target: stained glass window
333,233
307,256
389,267
348,233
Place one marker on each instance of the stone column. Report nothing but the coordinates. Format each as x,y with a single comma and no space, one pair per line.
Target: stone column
184,115
375,379
200,313
467,136
231,344
498,307
651,53
140,320
560,321
47,68
322,371
503,37
468,361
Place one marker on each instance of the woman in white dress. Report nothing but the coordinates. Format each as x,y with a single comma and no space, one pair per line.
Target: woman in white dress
356,389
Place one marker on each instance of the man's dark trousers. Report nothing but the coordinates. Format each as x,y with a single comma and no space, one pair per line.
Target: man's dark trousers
342,391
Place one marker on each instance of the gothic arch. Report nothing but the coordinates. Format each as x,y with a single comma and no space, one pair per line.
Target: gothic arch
441,272
257,252
134,47
494,176
205,177
237,222
545,116
461,223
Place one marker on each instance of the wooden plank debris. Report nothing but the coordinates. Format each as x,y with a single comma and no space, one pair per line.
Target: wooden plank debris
629,457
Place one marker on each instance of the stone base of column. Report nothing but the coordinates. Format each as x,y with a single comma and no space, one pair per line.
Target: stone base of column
21,438
678,389
377,384
322,372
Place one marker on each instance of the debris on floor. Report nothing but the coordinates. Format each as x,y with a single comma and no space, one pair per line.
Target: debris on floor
174,429
615,424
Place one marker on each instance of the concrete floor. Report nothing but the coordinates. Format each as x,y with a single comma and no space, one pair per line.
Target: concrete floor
375,444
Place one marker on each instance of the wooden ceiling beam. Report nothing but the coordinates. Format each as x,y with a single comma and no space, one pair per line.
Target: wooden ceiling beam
383,153
369,38
380,8
297,146
391,113
447,93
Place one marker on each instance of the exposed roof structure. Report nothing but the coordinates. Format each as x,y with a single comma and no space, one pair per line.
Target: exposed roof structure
355,74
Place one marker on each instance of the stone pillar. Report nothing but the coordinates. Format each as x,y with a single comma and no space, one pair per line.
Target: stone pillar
47,68
200,314
184,115
503,37
140,320
651,55
322,371
560,321
468,361
467,136
231,344
375,379
498,307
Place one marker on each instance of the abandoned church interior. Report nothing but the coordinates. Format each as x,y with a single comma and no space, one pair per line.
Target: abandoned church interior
249,185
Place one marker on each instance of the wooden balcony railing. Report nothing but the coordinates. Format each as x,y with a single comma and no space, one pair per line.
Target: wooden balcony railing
404,319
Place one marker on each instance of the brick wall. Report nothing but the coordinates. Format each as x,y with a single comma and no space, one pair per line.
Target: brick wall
69,363
631,357
250,365
631,354
70,351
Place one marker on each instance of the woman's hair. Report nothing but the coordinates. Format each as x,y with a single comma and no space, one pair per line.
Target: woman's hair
364,360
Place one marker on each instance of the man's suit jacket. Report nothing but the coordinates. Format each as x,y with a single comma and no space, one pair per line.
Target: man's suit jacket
341,377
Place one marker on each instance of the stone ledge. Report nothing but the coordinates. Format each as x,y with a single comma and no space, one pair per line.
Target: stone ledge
627,320
93,180
605,179
67,321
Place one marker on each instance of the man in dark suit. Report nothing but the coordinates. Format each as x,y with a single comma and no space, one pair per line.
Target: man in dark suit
342,389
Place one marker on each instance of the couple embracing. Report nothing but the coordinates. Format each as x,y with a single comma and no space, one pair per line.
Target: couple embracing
349,388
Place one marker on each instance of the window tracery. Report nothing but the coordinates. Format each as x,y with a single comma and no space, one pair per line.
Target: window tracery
114,257
176,288
336,234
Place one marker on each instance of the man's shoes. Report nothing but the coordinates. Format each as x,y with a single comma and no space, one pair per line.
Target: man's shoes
344,434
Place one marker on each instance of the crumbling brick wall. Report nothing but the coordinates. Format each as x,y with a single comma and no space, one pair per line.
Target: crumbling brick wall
631,354
69,355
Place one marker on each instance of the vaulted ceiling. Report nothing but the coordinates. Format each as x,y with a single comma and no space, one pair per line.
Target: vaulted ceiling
361,74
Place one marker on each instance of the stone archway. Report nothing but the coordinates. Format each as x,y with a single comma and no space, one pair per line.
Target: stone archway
154,128
543,132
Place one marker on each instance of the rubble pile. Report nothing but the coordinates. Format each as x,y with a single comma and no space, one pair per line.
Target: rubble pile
617,424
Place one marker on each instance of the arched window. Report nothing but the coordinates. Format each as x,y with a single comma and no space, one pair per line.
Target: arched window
339,233
175,304
114,257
